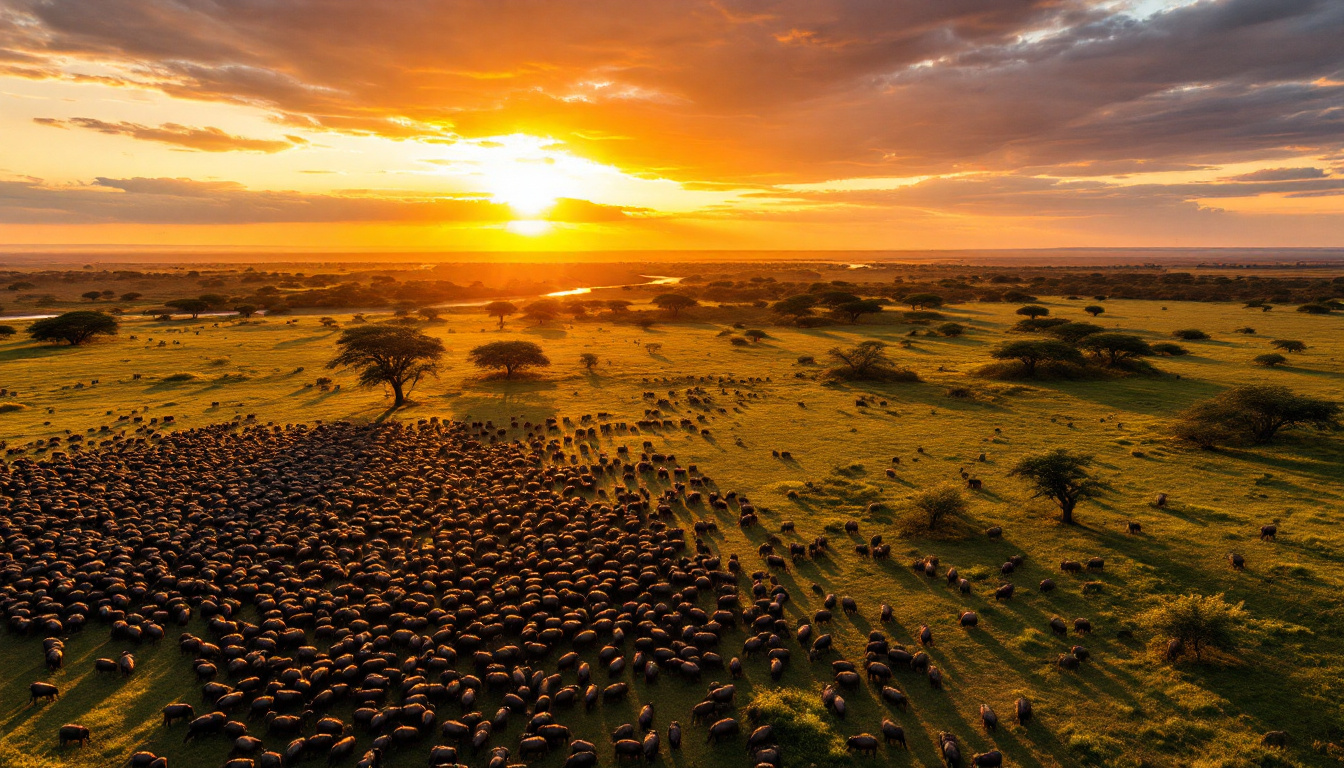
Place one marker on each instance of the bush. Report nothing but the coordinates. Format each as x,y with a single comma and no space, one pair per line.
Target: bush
1314,309
951,329
1288,345
1198,621
6,331
1270,360
175,378
812,322
936,505
807,360
801,726
1190,334
1038,324
1169,349
1074,332
738,341
756,334
1247,330
922,316
1252,414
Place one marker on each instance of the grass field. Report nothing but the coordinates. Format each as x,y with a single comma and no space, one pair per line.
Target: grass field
1124,708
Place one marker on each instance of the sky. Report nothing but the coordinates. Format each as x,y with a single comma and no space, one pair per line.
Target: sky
611,124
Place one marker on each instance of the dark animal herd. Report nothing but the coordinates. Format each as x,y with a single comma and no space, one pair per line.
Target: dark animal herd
406,574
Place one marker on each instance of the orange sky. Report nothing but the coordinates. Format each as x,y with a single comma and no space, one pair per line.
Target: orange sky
546,124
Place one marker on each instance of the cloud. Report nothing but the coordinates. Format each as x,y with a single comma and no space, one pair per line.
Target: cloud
189,201
207,139
1280,174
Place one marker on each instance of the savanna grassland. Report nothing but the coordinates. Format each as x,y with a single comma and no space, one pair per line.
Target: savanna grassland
1124,707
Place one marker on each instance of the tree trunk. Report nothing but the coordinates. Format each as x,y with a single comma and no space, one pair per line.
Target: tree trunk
398,397
1066,507
501,322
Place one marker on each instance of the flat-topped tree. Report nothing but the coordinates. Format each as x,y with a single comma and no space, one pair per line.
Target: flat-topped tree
74,328
1033,311
501,309
1115,347
1060,476
511,356
1253,413
396,355
193,307
1033,353
1094,310
674,302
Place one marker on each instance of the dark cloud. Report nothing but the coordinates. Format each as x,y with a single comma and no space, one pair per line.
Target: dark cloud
187,201
207,139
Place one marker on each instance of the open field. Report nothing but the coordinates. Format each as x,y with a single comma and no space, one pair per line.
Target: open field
1125,707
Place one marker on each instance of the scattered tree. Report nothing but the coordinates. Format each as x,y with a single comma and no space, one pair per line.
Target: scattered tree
653,348
92,295
1094,310
1169,349
1269,360
923,301
867,361
397,355
1190,334
674,302
1288,345
588,360
951,329
511,356
431,314
1033,311
1253,413
501,309
6,331
853,309
1197,622
755,335
74,328
245,310
328,322
1314,309
131,296
1033,353
1073,332
796,307
1115,347
1060,476
542,311
193,307
618,306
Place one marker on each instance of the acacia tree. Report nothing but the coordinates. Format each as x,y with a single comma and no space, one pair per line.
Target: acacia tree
509,355
1060,476
923,300
1033,353
674,302
1115,346
1094,310
1253,413
245,310
1033,311
542,311
193,307
395,355
1288,345
796,307
74,328
853,309
1197,622
588,360
501,309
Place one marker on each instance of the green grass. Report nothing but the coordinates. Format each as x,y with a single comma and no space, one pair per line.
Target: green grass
1124,708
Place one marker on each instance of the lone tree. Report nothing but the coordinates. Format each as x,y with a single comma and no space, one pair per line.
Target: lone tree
858,307
1115,347
1032,353
395,355
193,307
755,334
74,328
501,309
542,311
245,310
1060,476
1288,345
131,295
1252,413
6,331
588,360
923,301
1197,622
867,361
1094,310
509,355
674,302
1033,311
951,329
91,295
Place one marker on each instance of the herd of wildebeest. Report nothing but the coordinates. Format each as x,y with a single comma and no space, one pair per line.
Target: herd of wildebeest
406,573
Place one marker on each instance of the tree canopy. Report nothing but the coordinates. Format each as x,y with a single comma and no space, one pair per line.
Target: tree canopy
854,309
1033,311
193,307
501,309
511,356
1115,347
1033,353
542,311
396,355
1253,413
795,306
674,302
74,328
1060,476
1073,332
1094,310
923,300
1197,621
867,360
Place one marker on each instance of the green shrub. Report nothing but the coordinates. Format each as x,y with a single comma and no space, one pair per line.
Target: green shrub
1269,360
802,727
1169,349
1190,334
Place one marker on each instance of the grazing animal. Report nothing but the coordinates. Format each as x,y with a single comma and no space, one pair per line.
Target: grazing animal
891,732
1023,709
45,691
74,733
864,743
1268,533
988,719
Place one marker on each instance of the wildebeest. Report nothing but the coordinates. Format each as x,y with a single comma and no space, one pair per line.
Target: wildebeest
178,711
1237,561
1269,532
1022,707
891,732
724,728
988,719
45,691
863,743
74,733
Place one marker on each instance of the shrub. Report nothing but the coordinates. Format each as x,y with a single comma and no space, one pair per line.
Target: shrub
756,335
1288,345
1038,324
1269,360
6,331
1198,621
807,360
1190,334
1252,413
1073,332
1247,330
588,360
1314,309
801,726
1169,349
175,378
738,341
951,329
922,316
938,504
1017,296
812,322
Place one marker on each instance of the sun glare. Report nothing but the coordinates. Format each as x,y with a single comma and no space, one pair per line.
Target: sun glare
529,227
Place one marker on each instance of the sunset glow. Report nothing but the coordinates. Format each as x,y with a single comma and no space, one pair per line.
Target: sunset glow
330,123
